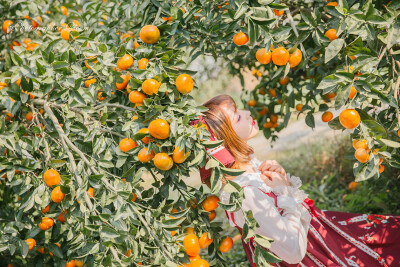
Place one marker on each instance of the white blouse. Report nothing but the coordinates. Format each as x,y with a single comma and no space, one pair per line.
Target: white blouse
289,230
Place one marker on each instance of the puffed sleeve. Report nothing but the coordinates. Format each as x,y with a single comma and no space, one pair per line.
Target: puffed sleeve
287,231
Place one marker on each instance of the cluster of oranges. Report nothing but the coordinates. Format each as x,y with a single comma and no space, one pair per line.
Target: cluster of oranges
192,244
362,153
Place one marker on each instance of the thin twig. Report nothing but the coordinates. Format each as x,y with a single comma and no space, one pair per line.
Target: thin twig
115,106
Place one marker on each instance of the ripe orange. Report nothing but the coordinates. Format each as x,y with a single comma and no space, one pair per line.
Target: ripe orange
210,203
274,118
90,81
45,210
381,168
159,129
65,33
272,92
279,12
143,63
127,144
51,177
361,144
204,241
149,34
145,139
70,264
327,116
144,156
353,92
61,217
284,80
29,116
41,250
240,38
226,244
136,97
349,118
263,112
191,245
268,124
280,56
150,86
189,230
262,92
90,192
331,34
125,62
126,77
352,185
332,4
46,223
212,215
64,10
134,197
14,43
163,161
252,102
7,24
263,57
295,58
179,156
136,45
299,107
355,142
57,195
199,263
184,83
361,155
167,18
31,243
398,133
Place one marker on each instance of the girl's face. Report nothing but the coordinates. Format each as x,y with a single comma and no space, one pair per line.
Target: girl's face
242,122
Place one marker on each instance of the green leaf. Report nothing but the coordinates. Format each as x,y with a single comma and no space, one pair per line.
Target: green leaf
232,172
60,64
333,49
108,232
212,144
335,124
310,120
212,163
263,240
55,250
376,129
390,143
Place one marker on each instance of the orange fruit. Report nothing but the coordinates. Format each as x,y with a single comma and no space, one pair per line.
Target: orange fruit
327,116
191,245
150,86
332,4
398,133
145,139
331,34
64,10
41,250
349,118
7,24
134,117
51,177
143,63
136,97
272,92
61,217
204,241
45,210
226,244
135,44
381,168
194,258
299,107
149,34
31,243
274,118
163,161
284,80
125,62
167,18
353,92
126,77
279,12
262,92
46,223
210,203
90,81
263,57
134,197
90,192
65,33
212,215
76,23
159,129
352,185
268,124
280,56
361,144
87,65
361,155
252,103
263,112
354,143
178,156
127,144
295,58
57,195
199,263
240,38
78,263
184,83
29,116
144,156
70,264
381,159
189,230
14,43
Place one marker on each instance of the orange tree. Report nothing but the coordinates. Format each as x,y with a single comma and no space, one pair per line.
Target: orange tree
102,96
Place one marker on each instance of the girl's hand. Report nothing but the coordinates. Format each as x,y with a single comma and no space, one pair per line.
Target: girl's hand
271,165
273,174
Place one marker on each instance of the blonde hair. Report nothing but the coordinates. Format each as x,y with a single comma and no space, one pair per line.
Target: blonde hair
220,124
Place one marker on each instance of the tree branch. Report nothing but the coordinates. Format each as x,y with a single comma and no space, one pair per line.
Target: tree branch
115,106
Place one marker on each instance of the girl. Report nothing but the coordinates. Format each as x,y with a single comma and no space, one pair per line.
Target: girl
303,235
